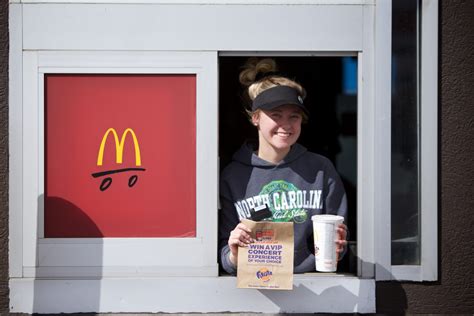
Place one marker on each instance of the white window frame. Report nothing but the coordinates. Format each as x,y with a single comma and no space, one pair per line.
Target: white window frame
427,270
348,28
112,257
429,140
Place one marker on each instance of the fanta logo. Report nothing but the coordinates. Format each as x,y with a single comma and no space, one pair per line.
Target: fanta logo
264,274
119,145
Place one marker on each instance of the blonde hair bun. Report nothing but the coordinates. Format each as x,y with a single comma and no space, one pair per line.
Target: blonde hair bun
253,67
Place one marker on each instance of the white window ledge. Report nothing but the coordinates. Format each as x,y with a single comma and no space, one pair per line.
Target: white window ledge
311,293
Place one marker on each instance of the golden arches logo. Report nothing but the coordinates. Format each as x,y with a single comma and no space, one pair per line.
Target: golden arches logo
119,145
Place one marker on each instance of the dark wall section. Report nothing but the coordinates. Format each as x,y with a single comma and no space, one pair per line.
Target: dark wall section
454,292
3,157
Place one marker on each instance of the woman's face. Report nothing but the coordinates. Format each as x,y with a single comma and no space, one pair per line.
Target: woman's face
278,128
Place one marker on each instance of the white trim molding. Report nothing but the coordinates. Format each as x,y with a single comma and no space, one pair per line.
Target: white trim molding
428,142
310,294
382,117
15,138
195,27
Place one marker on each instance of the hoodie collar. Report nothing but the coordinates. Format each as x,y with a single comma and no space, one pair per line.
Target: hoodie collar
246,155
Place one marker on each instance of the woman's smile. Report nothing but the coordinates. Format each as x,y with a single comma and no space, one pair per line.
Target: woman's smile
284,134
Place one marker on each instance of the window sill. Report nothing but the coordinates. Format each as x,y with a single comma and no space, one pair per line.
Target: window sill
312,292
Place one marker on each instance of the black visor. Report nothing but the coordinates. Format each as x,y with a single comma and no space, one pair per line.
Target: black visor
278,96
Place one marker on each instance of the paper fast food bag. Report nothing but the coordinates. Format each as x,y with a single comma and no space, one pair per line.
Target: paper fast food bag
268,262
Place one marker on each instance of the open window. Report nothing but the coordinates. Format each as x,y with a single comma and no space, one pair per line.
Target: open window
331,86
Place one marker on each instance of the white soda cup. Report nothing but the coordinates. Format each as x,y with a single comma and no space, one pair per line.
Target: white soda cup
325,233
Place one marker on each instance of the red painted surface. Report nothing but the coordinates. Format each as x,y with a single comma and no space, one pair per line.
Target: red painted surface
160,109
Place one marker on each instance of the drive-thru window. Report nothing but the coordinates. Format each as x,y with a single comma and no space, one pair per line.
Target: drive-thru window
122,115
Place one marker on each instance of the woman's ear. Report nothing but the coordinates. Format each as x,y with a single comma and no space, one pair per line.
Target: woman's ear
256,117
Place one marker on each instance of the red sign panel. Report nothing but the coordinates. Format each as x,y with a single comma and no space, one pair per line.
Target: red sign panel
120,156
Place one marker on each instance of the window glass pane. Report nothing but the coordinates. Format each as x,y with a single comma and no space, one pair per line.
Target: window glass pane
405,134
119,156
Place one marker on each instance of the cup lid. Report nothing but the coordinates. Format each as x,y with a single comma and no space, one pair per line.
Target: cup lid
327,218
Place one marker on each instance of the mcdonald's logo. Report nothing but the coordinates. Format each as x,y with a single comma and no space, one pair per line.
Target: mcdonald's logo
119,147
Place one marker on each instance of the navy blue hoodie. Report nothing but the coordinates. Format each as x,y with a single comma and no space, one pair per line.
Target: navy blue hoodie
301,185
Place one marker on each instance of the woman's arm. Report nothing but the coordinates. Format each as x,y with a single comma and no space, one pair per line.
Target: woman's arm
228,220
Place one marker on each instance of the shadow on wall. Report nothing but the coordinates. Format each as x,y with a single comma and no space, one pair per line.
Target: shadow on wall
48,294
67,214
289,301
390,296
392,301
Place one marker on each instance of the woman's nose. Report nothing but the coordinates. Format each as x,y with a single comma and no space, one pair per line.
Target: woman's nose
285,122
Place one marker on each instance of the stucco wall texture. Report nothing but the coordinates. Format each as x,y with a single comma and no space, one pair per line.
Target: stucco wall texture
454,292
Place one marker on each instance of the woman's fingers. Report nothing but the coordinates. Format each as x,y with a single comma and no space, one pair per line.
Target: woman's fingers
238,243
243,227
236,240
240,236
340,244
342,231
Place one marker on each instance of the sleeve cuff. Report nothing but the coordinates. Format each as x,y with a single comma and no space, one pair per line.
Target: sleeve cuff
225,261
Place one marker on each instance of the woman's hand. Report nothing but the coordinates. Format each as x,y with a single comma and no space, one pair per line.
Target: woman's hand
238,237
341,241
